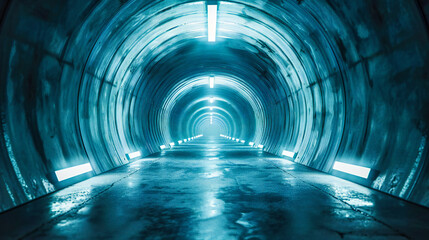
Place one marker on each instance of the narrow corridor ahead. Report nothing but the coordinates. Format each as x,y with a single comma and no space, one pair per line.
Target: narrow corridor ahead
215,189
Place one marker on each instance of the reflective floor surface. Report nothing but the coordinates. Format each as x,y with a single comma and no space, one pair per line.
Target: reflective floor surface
215,189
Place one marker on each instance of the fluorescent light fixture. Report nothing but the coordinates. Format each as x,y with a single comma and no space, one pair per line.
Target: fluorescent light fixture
73,171
185,140
189,139
212,19
211,99
359,171
251,143
260,146
288,154
162,147
180,141
233,139
237,139
172,144
242,141
133,155
211,80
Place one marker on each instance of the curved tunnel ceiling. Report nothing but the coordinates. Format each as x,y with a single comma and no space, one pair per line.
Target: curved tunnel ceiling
90,81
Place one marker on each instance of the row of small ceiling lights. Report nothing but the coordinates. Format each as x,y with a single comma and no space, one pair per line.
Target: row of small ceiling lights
211,27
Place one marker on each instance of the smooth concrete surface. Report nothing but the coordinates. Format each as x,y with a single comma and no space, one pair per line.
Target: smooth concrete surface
215,189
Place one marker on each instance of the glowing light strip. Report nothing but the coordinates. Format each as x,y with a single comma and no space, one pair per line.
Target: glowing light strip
212,19
211,80
288,154
242,141
73,171
359,171
134,155
211,99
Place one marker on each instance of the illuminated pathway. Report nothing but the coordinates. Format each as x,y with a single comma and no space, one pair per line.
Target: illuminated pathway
215,189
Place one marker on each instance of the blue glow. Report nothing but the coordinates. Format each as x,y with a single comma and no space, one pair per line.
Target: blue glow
211,80
212,20
134,155
359,171
73,171
288,154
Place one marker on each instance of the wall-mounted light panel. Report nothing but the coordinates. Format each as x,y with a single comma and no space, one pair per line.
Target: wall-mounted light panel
73,171
359,171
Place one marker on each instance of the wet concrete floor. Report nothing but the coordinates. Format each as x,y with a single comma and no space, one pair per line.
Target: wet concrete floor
215,189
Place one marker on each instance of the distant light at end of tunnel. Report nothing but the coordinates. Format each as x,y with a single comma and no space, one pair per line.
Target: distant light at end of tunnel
359,171
133,155
212,20
288,154
211,81
73,171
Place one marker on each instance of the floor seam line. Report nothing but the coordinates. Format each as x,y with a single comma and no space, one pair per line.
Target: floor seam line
344,202
56,219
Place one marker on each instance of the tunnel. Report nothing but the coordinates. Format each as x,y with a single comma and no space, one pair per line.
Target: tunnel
250,102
